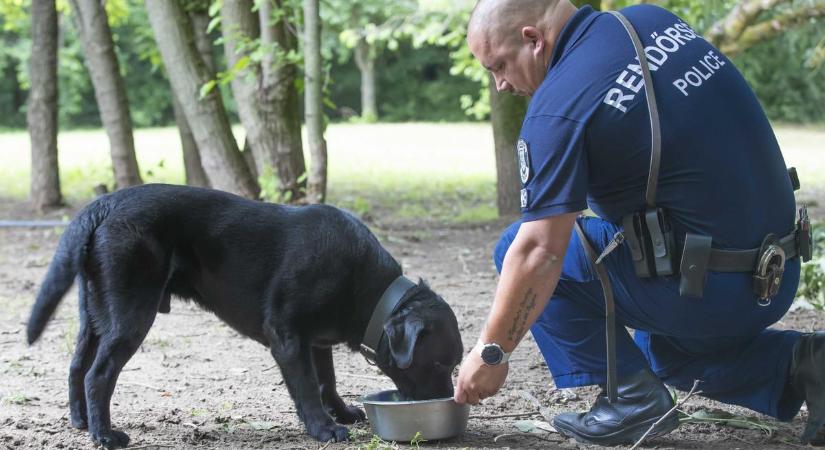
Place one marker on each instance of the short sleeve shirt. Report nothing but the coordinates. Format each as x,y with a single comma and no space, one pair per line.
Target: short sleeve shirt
585,140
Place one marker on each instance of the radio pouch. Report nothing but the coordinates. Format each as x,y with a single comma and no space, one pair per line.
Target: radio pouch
694,265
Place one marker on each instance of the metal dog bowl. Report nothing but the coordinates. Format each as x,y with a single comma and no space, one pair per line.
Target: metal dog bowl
395,419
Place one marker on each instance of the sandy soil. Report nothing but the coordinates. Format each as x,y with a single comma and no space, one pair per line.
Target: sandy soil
196,383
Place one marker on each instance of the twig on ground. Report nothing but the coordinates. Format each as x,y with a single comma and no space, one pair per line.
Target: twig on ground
537,436
147,386
149,446
545,412
668,414
463,263
323,447
502,416
752,444
270,368
366,377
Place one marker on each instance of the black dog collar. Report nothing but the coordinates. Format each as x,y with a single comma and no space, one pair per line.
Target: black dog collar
387,304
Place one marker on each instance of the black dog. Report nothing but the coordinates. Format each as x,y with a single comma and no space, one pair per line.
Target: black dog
296,279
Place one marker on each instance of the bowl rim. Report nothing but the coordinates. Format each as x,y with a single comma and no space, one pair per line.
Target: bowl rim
363,399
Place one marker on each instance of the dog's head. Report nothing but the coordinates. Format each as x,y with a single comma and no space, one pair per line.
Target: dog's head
422,346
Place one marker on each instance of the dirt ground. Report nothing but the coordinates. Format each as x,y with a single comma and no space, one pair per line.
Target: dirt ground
195,383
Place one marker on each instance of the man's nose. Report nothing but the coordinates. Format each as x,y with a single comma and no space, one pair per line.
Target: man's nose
502,85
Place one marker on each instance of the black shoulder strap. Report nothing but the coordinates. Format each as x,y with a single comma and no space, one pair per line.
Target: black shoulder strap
655,132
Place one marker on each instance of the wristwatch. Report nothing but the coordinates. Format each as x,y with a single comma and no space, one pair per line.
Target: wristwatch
492,354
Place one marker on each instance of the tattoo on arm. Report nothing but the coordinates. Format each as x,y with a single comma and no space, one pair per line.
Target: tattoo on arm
527,305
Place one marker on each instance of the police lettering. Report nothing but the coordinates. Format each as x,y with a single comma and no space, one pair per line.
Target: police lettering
699,73
665,43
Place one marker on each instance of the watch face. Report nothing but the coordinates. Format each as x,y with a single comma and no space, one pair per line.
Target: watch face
492,354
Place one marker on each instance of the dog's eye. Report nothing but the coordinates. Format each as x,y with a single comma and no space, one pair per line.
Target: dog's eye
438,367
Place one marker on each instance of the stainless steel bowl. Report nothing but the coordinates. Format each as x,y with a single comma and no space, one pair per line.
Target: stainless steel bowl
394,419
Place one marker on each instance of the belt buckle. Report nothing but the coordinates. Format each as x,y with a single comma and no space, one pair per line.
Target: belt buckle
769,270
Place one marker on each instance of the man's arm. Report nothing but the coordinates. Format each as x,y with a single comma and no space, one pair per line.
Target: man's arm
529,276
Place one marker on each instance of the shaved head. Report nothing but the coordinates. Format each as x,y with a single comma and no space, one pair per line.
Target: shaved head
514,39
501,20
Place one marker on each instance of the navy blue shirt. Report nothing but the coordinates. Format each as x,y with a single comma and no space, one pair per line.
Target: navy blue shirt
585,141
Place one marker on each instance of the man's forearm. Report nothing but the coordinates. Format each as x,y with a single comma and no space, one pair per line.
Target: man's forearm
529,276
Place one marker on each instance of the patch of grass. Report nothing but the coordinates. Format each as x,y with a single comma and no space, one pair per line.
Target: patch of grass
18,399
436,172
812,276
160,343
69,337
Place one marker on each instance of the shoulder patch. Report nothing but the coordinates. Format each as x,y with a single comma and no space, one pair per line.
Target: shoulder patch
523,160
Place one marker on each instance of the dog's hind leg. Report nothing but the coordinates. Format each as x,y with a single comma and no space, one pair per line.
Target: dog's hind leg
343,413
294,356
84,354
131,309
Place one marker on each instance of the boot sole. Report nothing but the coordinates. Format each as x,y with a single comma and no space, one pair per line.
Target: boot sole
626,435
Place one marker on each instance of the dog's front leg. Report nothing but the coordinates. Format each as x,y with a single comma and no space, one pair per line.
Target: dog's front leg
294,357
342,412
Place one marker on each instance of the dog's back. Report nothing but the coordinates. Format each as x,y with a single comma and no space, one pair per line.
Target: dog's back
220,250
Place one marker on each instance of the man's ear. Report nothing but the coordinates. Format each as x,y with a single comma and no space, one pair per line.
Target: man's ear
402,333
534,36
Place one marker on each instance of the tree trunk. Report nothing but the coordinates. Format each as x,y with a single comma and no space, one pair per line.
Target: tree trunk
280,107
195,176
313,102
221,159
42,113
507,114
273,133
365,60
200,22
110,92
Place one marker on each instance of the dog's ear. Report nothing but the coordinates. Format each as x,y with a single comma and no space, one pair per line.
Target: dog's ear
402,333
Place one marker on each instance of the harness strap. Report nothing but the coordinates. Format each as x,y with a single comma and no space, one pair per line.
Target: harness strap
653,111
609,316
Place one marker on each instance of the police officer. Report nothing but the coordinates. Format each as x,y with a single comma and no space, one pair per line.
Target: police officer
586,143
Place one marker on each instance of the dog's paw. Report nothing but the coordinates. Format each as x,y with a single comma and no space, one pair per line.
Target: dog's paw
349,414
111,439
78,422
326,433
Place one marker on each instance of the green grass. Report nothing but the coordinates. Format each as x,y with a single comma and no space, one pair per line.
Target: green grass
442,172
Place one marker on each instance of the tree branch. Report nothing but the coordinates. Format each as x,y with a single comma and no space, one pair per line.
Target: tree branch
729,28
771,28
668,414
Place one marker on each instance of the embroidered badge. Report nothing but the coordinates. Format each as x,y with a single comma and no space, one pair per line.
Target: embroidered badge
525,194
523,160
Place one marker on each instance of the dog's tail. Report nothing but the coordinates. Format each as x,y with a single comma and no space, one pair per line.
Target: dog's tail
67,261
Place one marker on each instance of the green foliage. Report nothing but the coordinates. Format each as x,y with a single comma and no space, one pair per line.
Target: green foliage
776,70
424,68
412,84
812,276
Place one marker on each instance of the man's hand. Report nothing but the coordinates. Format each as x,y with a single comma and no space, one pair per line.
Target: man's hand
477,381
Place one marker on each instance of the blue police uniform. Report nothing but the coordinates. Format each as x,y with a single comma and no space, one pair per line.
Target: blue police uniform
585,142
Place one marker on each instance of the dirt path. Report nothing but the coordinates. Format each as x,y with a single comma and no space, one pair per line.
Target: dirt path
196,384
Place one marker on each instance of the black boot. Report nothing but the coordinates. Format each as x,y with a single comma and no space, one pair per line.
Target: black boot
807,379
643,400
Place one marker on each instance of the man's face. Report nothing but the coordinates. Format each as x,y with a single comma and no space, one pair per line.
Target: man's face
518,66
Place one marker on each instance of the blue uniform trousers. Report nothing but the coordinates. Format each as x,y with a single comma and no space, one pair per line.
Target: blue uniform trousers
721,339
